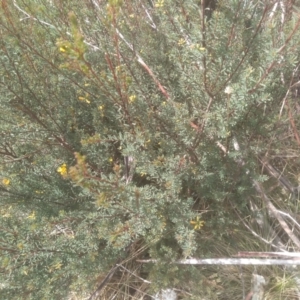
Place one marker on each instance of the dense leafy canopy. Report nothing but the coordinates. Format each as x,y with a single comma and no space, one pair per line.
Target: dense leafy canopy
119,130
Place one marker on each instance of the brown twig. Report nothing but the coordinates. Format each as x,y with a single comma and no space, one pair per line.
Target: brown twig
146,67
249,295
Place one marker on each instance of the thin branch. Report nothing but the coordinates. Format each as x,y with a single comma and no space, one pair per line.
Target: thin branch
268,202
230,261
268,254
284,182
272,14
139,59
290,217
47,24
31,17
276,214
258,236
144,280
246,51
150,18
144,65
279,51
107,278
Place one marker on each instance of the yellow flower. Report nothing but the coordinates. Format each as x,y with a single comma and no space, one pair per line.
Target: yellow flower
5,181
201,48
20,246
55,266
159,3
39,192
181,42
31,216
197,224
198,47
132,98
63,49
6,213
118,68
84,99
62,170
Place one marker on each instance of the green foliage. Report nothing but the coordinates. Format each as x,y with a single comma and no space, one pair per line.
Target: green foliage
112,119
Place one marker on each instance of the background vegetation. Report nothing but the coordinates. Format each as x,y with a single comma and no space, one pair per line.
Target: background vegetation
136,129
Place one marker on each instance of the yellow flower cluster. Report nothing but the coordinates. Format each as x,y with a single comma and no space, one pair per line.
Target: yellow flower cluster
62,170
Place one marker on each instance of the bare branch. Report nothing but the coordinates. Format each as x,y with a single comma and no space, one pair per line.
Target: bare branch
144,65
276,214
231,261
275,242
268,202
290,217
